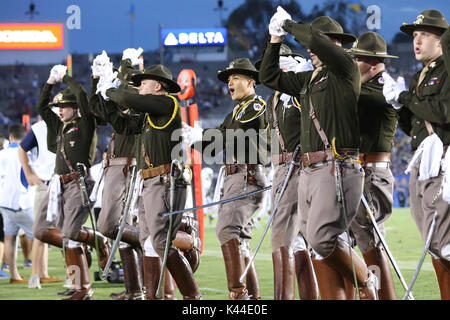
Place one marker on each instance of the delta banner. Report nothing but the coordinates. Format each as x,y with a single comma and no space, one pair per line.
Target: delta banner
194,37
31,36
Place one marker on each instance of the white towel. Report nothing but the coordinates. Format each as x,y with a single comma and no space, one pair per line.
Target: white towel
430,154
446,182
54,198
98,182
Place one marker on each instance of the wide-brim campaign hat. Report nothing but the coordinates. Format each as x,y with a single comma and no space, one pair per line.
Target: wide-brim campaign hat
333,29
428,18
285,51
157,72
65,96
240,66
370,44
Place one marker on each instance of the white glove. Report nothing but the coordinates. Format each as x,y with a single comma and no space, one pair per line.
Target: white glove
191,134
107,82
277,21
295,64
100,63
304,65
392,89
133,55
58,71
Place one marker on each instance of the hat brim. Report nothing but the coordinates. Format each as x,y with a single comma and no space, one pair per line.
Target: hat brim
223,75
62,103
172,86
368,54
344,38
409,28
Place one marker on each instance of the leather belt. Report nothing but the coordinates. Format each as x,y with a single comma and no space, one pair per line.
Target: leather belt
311,158
121,161
382,164
157,171
251,168
374,157
68,177
284,157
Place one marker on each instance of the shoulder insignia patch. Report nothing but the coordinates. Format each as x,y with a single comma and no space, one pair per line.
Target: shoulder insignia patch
381,80
257,106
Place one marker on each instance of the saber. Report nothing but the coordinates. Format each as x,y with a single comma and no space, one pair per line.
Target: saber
385,246
217,202
274,210
428,239
169,231
131,199
81,168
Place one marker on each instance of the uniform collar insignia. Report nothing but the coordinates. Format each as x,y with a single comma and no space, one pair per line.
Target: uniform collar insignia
433,64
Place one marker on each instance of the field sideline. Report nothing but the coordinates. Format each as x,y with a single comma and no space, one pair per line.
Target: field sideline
402,237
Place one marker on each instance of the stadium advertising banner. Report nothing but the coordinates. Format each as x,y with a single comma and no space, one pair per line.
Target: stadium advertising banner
194,37
31,36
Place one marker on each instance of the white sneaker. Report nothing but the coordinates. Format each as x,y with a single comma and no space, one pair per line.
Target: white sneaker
34,282
68,283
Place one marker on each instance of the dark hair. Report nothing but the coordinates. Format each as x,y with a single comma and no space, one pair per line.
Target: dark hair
17,131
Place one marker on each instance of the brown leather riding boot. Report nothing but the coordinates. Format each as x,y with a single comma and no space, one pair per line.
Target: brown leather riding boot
131,274
283,274
252,281
306,278
78,269
341,261
234,267
169,287
184,277
152,272
376,257
130,235
350,290
88,236
442,269
53,237
330,281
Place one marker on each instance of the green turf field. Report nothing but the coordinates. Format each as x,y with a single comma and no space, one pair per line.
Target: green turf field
402,237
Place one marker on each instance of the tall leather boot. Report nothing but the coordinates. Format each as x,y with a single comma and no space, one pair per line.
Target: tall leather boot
53,237
131,274
130,235
340,260
234,268
169,287
306,277
152,272
377,257
252,281
330,281
350,290
88,236
77,266
283,274
442,269
182,273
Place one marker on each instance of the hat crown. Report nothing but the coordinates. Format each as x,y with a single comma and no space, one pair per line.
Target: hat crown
66,96
241,63
372,42
433,17
285,50
327,25
159,70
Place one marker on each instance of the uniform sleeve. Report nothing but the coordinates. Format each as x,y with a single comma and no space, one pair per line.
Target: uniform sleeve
271,75
334,57
53,122
154,105
29,141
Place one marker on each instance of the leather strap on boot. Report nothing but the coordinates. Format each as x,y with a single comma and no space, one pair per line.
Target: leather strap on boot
283,274
53,237
234,268
306,278
152,271
341,261
77,266
131,274
87,235
330,281
376,257
184,277
442,269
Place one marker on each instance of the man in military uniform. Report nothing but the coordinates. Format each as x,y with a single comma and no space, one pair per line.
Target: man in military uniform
377,122
76,143
329,137
159,117
244,173
283,114
117,168
425,116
